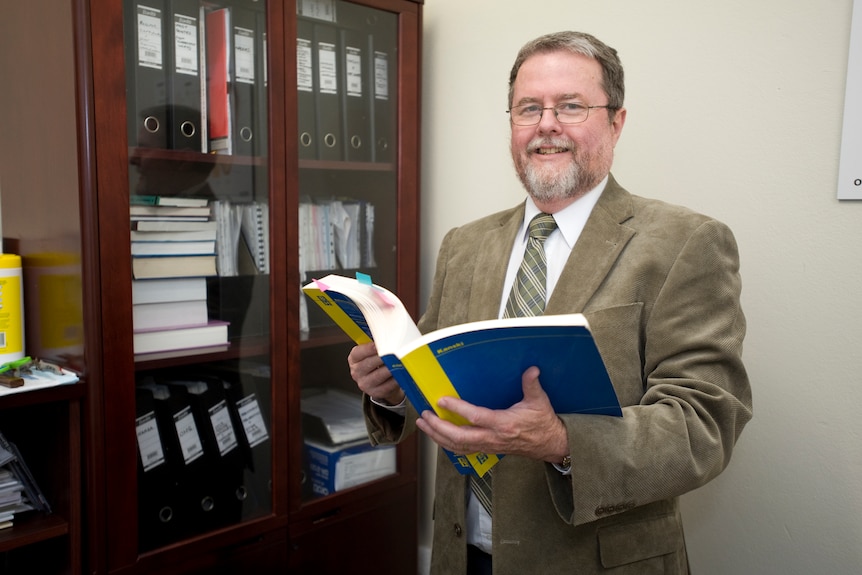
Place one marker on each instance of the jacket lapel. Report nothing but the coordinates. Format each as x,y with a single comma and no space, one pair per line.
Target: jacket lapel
600,244
492,259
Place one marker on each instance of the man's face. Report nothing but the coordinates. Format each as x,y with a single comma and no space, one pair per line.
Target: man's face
558,161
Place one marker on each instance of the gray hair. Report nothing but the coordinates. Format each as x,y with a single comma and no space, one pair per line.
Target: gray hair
578,43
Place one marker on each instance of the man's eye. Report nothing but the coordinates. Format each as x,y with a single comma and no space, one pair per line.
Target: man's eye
570,107
531,110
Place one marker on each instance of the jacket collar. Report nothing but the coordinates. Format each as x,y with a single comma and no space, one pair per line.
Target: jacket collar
600,244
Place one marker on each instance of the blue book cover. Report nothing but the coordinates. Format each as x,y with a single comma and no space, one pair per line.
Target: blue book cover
480,362
484,362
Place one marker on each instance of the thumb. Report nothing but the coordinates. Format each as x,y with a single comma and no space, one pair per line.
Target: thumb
530,383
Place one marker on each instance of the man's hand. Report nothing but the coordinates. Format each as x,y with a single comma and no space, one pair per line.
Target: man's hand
529,428
372,376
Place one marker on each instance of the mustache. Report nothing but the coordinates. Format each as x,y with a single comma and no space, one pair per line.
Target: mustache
553,142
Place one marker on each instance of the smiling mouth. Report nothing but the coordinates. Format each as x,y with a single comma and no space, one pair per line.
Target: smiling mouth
548,151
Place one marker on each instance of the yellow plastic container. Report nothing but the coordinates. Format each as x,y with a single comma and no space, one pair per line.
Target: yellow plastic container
55,322
11,308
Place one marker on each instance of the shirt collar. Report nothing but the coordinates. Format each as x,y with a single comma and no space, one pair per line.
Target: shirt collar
570,220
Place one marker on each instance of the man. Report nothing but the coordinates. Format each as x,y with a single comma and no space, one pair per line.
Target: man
660,287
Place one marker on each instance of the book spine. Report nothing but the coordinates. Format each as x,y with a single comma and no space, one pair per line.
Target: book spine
434,383
338,315
417,400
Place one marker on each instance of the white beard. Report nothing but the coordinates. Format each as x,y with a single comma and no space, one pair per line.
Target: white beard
547,184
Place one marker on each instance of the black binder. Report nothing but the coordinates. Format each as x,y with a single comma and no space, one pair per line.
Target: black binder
244,77
384,40
327,91
247,395
161,513
184,76
146,73
306,79
355,95
222,452
194,473
261,119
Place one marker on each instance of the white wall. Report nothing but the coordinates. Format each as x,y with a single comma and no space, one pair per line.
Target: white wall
735,109
38,157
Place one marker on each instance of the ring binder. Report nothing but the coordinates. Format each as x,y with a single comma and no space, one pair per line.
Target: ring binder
244,78
146,74
184,110
384,42
327,91
218,66
356,71
305,90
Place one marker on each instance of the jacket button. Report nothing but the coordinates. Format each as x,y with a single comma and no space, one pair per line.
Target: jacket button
458,530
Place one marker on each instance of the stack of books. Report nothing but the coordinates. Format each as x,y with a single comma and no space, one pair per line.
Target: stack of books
171,314
173,252
172,237
18,489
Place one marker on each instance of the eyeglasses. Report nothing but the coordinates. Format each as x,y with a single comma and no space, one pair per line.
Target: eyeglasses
565,112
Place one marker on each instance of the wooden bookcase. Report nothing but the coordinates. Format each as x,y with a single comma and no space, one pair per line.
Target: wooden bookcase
86,436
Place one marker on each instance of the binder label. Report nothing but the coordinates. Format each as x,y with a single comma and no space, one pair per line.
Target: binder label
252,420
187,431
304,68
320,9
150,37
326,68
222,427
353,65
243,42
381,75
149,441
186,45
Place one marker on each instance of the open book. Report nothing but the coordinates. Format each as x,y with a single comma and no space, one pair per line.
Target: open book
480,362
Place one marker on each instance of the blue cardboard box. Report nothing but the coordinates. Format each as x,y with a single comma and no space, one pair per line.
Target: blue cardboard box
331,468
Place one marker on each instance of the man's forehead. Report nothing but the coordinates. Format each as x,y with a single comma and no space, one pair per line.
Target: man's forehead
559,73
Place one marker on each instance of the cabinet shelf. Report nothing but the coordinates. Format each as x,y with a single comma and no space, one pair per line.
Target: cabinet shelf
247,346
322,337
30,529
346,166
167,155
60,393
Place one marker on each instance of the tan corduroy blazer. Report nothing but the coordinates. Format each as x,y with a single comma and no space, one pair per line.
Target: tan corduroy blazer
660,287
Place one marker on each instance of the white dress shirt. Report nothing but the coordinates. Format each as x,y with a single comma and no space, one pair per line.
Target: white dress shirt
558,246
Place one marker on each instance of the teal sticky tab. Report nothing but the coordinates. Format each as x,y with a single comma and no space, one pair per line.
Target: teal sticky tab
364,278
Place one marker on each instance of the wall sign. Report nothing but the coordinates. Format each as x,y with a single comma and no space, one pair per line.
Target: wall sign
850,169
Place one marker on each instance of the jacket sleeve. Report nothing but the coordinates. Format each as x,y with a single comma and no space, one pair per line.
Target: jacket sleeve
676,362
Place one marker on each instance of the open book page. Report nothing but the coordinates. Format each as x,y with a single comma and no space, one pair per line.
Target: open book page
364,311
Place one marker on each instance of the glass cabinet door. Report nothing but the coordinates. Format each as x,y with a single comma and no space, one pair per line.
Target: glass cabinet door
346,57
196,91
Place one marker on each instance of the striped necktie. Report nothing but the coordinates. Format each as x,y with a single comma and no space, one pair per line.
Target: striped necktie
526,299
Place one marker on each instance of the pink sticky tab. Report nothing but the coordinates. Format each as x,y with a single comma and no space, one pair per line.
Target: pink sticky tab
384,296
320,285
